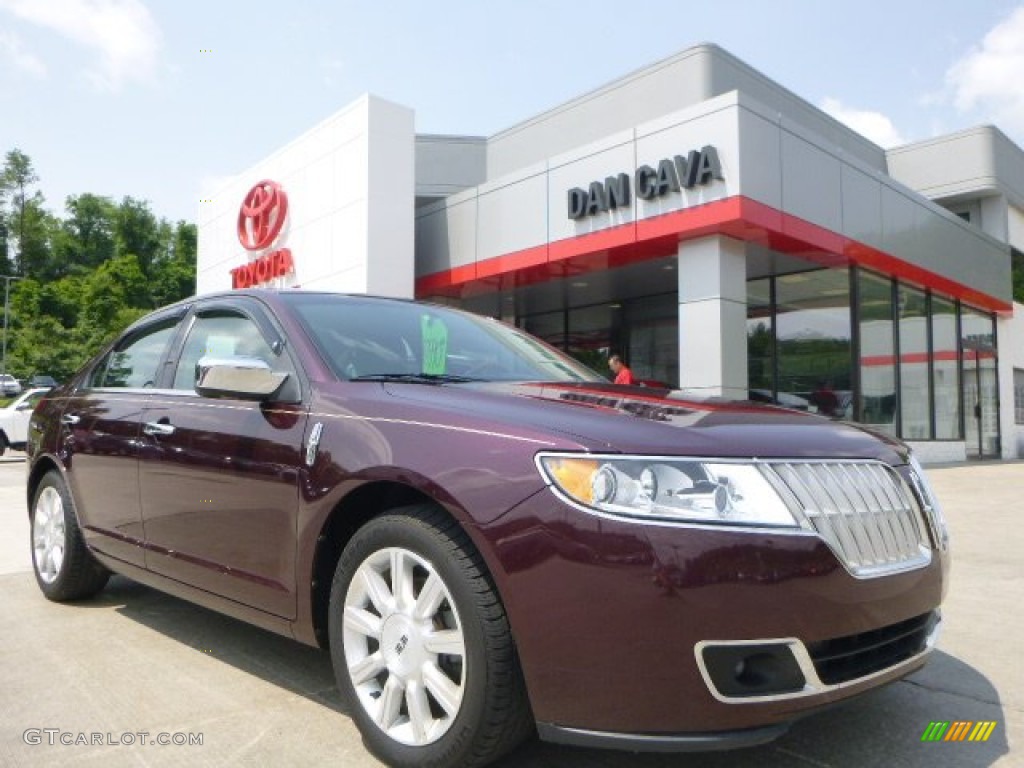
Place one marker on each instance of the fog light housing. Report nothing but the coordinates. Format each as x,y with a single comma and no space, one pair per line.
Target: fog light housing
745,670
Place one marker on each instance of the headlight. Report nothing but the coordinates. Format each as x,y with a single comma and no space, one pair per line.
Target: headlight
930,502
691,490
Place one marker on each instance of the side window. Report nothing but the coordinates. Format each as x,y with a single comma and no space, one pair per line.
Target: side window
134,362
223,335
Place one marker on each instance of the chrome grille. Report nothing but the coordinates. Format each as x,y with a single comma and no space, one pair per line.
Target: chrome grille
863,510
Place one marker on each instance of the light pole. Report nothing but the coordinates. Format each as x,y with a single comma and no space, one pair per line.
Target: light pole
7,304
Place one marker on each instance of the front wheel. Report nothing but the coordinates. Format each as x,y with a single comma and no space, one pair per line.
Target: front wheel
421,645
64,567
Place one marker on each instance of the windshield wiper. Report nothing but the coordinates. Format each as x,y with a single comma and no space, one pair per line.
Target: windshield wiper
416,378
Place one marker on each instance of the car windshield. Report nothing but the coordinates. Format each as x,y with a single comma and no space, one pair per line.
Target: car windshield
363,338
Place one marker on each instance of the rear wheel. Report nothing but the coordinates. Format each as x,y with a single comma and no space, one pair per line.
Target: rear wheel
421,645
64,567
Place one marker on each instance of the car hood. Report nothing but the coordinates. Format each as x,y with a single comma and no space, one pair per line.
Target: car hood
606,417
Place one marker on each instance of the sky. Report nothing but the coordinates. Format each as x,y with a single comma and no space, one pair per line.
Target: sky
165,99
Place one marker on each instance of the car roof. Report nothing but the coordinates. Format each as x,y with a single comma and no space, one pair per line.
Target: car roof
270,296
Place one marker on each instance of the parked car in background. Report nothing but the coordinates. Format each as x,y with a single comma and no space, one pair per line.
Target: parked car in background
489,538
14,420
9,385
44,382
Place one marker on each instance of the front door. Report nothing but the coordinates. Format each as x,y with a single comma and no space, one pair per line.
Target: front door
219,477
980,384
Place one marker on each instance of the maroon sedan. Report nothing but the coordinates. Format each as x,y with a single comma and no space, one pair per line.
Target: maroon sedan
489,538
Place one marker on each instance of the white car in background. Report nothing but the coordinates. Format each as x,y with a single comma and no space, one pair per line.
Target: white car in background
9,386
14,420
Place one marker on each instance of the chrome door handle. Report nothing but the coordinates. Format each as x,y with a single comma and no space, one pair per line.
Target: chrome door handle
156,428
70,419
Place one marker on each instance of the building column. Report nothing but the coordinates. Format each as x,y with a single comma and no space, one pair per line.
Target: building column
713,317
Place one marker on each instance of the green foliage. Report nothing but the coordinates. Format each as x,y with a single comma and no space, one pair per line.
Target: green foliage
84,276
15,178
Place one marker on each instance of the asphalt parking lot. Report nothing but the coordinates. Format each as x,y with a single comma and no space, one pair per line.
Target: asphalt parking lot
136,661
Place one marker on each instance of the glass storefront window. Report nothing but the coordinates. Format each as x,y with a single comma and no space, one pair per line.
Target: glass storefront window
760,340
945,373
594,334
653,344
1018,395
877,353
549,326
813,341
981,388
644,331
915,383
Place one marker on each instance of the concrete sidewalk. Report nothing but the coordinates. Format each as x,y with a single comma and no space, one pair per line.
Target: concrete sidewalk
135,660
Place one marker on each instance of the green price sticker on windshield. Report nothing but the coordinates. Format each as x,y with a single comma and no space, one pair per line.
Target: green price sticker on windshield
434,335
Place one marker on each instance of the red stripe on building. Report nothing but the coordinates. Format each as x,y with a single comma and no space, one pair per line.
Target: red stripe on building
922,357
910,358
738,217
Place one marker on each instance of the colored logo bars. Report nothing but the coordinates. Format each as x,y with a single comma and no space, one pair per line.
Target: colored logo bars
959,730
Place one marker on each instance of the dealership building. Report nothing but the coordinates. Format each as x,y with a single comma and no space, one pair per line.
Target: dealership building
725,236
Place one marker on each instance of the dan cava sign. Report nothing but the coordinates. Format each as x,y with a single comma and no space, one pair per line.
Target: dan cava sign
673,174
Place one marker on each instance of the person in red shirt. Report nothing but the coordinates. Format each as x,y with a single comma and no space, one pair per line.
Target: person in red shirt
622,374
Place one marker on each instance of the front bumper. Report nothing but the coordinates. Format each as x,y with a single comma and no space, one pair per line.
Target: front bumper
610,616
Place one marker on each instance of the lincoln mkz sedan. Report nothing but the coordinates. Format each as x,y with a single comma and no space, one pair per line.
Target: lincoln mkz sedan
489,538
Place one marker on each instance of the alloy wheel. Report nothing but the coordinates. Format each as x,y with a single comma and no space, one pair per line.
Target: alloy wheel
404,646
48,535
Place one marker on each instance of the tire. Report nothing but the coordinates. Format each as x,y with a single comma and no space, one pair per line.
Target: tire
437,665
64,567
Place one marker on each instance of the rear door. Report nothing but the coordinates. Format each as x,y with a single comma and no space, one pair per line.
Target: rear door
219,477
100,429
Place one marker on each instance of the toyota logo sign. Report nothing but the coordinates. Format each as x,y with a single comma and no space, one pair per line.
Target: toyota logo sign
262,215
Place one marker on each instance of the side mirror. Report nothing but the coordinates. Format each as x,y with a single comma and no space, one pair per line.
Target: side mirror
245,378
28,405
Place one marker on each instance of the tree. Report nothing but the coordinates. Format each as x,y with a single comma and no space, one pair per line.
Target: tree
90,229
116,284
137,232
5,261
86,275
39,230
174,277
44,318
17,175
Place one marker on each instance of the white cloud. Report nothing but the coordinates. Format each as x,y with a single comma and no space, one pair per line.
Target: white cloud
122,32
12,49
988,77
873,125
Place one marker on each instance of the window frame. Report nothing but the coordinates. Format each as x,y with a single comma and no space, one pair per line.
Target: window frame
147,327
252,310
